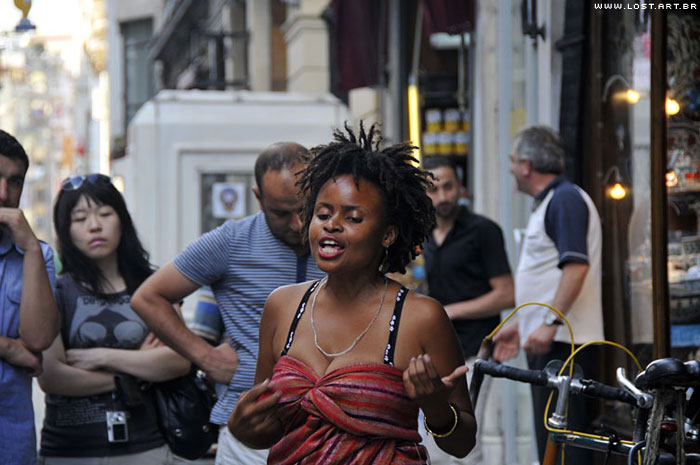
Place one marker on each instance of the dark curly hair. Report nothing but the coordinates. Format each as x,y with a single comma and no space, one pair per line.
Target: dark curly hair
402,186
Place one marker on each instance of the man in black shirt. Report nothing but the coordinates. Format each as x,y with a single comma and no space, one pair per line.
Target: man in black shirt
467,270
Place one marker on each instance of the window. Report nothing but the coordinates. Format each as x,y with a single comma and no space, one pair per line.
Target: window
138,69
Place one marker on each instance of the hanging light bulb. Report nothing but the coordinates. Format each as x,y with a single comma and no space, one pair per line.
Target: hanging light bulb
671,179
624,94
672,107
614,189
632,96
618,192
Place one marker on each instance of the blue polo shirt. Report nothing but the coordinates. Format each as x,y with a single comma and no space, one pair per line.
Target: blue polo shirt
242,262
566,220
17,439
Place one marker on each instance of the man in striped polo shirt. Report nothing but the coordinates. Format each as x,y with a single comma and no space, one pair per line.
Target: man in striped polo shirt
242,261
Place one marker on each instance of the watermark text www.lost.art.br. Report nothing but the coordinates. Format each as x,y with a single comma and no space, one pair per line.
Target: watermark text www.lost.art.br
646,6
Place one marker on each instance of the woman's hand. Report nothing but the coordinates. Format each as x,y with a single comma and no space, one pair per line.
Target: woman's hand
97,358
151,342
152,362
424,384
87,359
254,420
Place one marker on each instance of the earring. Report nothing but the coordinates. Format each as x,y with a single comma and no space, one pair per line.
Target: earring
384,265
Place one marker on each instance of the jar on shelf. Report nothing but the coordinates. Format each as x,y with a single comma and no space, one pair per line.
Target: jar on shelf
446,143
453,120
430,144
433,120
461,143
466,123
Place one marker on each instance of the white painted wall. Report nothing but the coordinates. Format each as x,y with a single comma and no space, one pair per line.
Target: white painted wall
180,134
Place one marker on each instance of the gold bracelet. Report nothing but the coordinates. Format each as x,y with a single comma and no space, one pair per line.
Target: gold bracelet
452,430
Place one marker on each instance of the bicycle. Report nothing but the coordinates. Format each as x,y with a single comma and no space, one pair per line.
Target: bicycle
660,391
656,391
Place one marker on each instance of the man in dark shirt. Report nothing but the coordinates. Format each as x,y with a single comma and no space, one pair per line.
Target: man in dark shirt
466,263
467,271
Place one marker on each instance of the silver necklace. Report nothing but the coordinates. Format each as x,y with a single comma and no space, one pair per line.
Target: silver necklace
357,339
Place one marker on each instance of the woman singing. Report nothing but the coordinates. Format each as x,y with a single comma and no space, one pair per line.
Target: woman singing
346,362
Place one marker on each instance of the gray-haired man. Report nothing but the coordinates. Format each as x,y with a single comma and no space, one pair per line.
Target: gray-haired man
560,265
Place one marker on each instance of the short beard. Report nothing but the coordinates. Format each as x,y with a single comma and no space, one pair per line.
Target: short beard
451,213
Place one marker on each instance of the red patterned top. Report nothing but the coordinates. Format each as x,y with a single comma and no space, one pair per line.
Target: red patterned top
357,414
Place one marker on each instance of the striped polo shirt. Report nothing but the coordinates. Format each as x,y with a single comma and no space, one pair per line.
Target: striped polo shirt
243,262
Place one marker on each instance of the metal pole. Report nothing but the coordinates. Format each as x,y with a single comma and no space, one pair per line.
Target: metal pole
505,203
659,221
395,93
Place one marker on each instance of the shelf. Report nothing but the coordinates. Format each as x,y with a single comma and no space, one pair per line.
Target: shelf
684,190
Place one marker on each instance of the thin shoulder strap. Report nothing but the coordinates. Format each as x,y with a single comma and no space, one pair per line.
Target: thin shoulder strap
297,317
394,326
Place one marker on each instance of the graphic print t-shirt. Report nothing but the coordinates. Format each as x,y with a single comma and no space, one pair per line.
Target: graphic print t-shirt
76,426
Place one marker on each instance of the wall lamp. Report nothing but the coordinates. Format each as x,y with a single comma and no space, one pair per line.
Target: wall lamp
671,176
632,96
629,95
672,106
616,191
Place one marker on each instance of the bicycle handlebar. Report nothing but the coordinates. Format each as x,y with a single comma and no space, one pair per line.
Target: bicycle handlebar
587,387
535,377
592,388
644,399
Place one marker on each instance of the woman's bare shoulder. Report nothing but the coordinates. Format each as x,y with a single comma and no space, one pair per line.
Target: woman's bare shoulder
423,309
281,305
424,315
283,296
426,328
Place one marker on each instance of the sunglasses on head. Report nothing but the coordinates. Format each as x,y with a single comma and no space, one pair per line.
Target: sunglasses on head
76,182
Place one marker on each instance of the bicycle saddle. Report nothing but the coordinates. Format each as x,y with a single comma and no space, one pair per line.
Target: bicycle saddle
668,372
